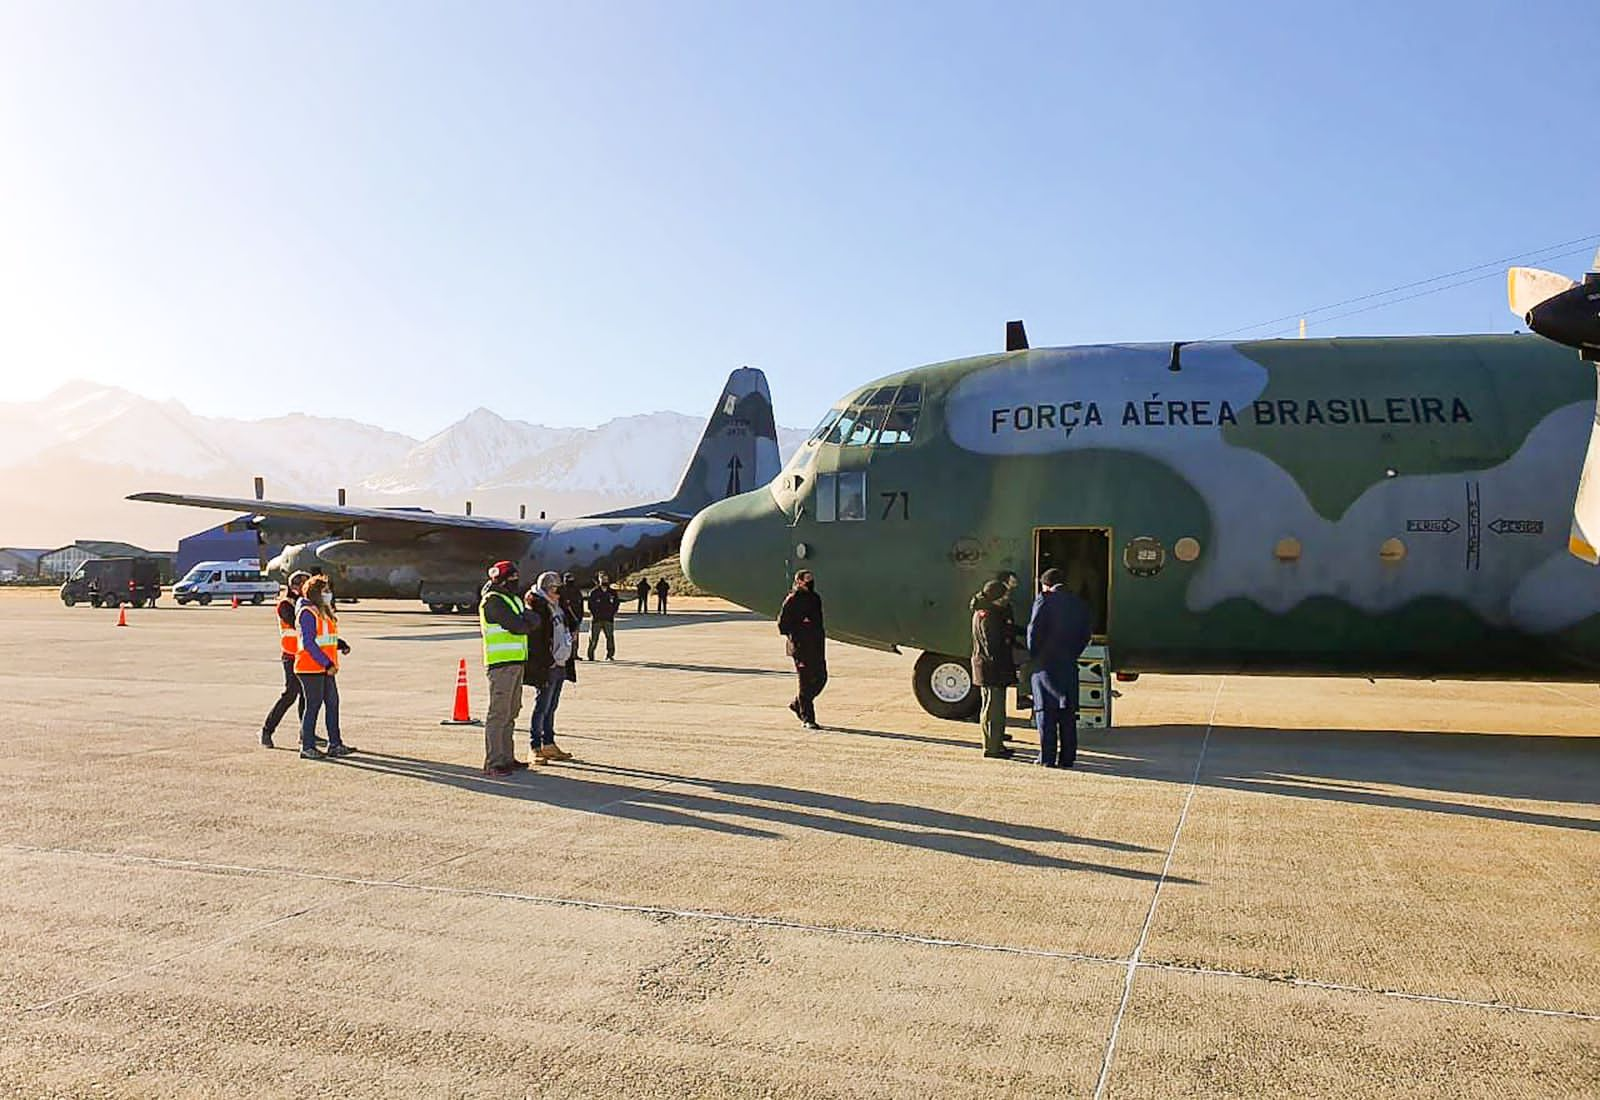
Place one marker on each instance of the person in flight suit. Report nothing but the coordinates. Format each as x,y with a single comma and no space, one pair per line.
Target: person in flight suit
993,668
800,622
603,603
288,646
1058,630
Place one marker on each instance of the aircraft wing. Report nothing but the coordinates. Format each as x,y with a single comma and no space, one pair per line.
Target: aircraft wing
420,522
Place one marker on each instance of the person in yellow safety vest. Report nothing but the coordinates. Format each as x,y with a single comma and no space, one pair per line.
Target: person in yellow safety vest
288,646
503,619
316,666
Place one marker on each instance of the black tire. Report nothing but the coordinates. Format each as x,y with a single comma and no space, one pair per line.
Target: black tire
937,680
69,600
441,608
256,599
205,598
181,600
109,601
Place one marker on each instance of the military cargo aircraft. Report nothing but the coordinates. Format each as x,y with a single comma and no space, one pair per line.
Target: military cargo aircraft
1373,507
414,553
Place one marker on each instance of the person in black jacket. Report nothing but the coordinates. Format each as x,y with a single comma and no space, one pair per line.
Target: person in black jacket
994,668
642,590
552,653
603,603
662,588
1058,629
800,621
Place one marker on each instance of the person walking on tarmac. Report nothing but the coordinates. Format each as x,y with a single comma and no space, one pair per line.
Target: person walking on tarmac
1058,630
572,604
504,622
993,668
603,603
662,588
552,645
800,622
316,665
642,590
288,646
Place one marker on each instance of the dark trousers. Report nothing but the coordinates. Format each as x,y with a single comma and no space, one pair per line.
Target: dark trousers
1055,713
321,691
603,626
644,604
291,696
812,673
661,605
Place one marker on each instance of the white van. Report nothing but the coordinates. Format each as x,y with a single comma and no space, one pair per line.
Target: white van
223,580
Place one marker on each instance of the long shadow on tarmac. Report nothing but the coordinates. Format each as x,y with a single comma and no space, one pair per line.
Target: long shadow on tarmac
568,787
1353,765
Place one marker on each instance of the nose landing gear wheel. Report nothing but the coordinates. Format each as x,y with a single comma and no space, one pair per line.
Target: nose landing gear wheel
944,688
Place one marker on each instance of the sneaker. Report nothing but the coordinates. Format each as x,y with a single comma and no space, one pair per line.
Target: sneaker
810,725
794,705
553,751
266,739
497,773
313,754
341,749
609,657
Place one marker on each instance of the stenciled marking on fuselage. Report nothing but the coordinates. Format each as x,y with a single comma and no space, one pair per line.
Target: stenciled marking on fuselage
1156,412
1530,583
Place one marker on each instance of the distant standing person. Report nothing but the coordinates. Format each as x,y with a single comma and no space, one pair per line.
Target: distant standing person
552,645
288,648
994,668
572,604
800,622
505,625
316,664
1058,630
642,590
662,588
603,603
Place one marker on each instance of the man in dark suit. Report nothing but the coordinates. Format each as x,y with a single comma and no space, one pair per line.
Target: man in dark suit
1058,630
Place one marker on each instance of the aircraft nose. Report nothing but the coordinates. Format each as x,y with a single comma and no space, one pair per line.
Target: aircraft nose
738,549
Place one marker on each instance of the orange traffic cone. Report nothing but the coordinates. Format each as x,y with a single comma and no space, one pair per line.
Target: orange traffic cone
462,714
122,614
236,603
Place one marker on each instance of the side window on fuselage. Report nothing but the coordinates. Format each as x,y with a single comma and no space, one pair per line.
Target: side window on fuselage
841,497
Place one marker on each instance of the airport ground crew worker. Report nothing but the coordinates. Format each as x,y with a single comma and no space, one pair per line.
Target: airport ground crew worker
993,666
662,588
1019,643
316,665
603,603
288,647
1058,629
572,604
800,622
642,590
504,623
552,648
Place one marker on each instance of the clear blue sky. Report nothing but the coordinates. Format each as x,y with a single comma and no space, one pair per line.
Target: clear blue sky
575,211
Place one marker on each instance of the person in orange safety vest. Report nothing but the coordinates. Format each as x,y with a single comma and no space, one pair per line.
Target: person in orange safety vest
316,665
288,646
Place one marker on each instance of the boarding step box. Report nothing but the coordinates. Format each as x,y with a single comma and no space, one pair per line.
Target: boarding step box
1094,687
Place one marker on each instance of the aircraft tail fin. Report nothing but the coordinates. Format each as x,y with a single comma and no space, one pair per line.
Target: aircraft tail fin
738,451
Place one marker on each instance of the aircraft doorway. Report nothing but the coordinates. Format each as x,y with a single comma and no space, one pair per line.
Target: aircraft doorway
1084,554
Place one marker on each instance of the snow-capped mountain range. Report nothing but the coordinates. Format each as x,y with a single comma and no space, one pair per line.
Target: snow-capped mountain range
66,462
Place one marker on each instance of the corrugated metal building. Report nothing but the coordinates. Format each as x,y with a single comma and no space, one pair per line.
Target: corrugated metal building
17,561
61,562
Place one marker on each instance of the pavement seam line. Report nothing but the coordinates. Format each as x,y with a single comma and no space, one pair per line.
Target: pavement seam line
1155,899
222,941
246,870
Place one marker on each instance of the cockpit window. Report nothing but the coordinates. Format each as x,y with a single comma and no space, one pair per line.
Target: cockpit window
885,416
827,422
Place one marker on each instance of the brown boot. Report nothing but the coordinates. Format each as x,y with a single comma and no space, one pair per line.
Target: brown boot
552,752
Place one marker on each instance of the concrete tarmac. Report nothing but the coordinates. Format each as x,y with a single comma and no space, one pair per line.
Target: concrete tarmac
1250,887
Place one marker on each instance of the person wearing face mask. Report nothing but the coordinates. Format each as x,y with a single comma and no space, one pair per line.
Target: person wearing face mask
288,647
505,625
316,665
800,622
552,647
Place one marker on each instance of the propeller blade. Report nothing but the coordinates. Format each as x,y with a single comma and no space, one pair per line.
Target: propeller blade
1526,287
1585,536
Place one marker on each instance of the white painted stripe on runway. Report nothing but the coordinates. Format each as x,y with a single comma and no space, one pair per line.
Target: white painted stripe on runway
1155,898
246,870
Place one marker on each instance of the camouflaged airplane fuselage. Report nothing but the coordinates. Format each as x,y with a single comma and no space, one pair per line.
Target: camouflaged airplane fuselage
1386,506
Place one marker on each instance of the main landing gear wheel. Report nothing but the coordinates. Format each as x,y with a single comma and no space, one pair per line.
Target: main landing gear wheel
943,686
